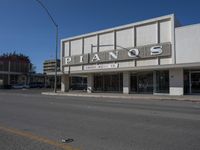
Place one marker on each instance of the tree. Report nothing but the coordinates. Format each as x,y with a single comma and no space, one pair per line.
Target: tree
15,57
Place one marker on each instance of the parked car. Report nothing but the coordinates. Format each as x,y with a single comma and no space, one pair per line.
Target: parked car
36,85
33,85
82,86
20,86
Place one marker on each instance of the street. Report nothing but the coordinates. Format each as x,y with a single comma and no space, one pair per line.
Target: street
30,121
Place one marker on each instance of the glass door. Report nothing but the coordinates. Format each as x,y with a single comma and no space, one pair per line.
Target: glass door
195,82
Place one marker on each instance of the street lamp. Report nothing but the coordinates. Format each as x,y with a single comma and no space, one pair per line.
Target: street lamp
132,52
107,46
56,25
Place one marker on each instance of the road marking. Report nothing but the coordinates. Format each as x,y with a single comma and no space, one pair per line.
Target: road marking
37,138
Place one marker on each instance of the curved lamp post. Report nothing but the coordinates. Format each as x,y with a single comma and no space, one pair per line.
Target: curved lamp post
56,25
111,45
107,45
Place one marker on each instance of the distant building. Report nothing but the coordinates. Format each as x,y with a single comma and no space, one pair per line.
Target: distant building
49,71
49,66
76,82
14,69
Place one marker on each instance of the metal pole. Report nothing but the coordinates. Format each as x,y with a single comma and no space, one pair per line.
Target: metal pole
190,82
55,82
56,25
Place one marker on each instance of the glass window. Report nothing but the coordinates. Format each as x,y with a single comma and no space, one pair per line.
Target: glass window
133,85
141,82
192,82
195,82
78,83
98,83
145,82
186,82
108,82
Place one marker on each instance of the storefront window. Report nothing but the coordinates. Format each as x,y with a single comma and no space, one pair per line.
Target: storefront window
192,82
78,83
108,82
186,82
98,83
162,81
145,83
142,82
195,82
134,84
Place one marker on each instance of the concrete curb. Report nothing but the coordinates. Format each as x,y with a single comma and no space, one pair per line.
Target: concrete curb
155,97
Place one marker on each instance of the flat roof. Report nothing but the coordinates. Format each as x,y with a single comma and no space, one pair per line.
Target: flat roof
51,60
188,26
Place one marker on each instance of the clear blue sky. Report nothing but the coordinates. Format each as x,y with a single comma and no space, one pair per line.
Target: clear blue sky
26,28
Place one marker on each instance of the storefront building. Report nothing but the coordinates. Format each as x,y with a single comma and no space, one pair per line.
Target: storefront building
155,56
13,72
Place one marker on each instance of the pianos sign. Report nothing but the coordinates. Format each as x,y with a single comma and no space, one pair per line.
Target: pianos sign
143,52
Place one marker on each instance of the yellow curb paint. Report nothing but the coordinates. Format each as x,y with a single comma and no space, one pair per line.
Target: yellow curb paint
37,138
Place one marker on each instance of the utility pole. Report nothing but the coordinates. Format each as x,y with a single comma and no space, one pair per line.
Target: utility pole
56,25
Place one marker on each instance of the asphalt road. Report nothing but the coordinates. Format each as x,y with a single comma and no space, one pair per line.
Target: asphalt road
29,121
10,141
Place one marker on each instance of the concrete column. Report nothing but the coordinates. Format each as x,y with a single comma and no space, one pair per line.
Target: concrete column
176,82
64,83
90,83
126,82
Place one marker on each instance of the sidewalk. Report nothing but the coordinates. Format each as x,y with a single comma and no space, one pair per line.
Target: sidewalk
194,98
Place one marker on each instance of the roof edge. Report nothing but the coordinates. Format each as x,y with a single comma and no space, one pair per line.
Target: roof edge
118,27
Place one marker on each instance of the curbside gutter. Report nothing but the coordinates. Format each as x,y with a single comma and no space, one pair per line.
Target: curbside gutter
191,98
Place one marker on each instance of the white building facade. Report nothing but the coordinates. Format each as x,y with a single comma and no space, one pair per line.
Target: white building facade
155,56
